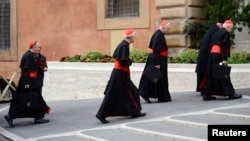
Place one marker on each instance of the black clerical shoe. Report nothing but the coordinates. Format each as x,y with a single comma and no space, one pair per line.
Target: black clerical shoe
202,94
40,121
207,98
146,99
9,120
103,120
235,96
138,115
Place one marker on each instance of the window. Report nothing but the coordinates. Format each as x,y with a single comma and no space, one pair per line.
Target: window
123,8
121,14
4,25
8,30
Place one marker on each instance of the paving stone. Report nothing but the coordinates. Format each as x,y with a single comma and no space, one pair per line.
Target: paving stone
117,134
3,138
64,138
213,119
185,130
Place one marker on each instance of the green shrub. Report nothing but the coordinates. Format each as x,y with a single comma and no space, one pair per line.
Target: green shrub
138,55
75,58
94,56
187,56
174,59
239,57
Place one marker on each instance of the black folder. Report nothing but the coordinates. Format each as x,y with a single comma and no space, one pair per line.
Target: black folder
153,74
221,71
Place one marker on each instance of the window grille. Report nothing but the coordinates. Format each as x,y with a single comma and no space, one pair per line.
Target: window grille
123,8
4,25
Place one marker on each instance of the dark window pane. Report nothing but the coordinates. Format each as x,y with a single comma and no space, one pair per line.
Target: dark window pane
4,25
123,8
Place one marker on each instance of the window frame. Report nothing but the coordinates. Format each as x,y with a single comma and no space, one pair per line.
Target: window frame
121,23
11,54
124,10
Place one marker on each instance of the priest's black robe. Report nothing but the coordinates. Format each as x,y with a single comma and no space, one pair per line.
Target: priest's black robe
147,88
42,63
204,52
121,97
215,86
27,102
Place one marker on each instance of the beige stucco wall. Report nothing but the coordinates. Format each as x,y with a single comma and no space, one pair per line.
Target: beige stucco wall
69,27
64,27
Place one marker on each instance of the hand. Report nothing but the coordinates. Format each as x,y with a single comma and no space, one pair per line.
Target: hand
224,62
45,69
129,61
157,66
27,86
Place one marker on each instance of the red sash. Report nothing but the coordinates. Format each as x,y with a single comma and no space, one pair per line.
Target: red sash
216,49
162,52
121,67
33,74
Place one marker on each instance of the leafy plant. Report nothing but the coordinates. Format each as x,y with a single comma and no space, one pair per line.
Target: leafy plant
239,57
75,58
174,59
229,9
187,56
245,16
94,56
235,10
196,30
139,55
224,8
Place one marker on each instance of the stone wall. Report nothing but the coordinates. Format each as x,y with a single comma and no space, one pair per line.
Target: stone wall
179,12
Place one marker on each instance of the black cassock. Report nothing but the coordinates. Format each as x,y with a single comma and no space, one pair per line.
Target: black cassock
147,88
42,63
28,102
121,95
215,86
204,52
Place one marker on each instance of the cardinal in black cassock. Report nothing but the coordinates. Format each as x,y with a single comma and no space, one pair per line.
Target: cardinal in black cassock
43,67
204,52
121,95
158,57
220,52
27,101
